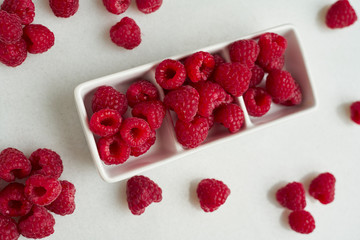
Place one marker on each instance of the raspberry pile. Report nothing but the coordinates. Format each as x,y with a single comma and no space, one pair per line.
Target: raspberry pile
25,207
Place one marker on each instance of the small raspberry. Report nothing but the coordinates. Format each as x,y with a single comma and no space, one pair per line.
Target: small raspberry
302,222
199,66
184,101
64,204
135,131
141,191
46,162
14,54
233,77
170,74
13,164
151,111
116,6
192,134
231,116
108,97
212,194
24,9
272,47
39,38
341,14
8,229
322,188
113,150
140,91
257,75
280,85
105,122
13,202
211,96
245,52
292,196
42,190
64,8
296,98
148,6
355,112
257,101
142,149
39,223
10,28
126,33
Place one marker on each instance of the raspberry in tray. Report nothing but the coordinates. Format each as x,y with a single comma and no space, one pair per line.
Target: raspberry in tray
64,204
13,202
211,95
292,196
135,131
192,134
212,194
257,74
116,6
148,6
296,97
141,90
105,122
340,14
109,97
322,188
14,54
199,66
170,74
280,85
151,111
46,162
113,150
142,149
24,9
39,38
302,222
13,164
244,51
126,33
8,229
63,8
257,101
230,116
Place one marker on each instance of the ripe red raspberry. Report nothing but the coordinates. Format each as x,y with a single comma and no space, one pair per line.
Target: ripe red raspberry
341,14
14,54
322,188
39,223
233,77
151,111
113,150
184,101
192,134
108,97
148,6
116,6
142,149
64,8
170,74
199,66
257,101
244,51
13,164
64,204
355,112
42,190
280,85
212,194
38,38
105,122
135,131
141,191
140,91
8,229
211,96
257,75
46,162
13,202
296,98
24,9
126,33
231,116
272,47
292,196
302,222
10,28
275,64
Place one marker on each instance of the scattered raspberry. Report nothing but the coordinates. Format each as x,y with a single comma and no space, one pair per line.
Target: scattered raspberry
135,131
257,101
322,188
10,28
245,52
116,6
13,202
257,75
105,122
13,164
355,112
341,14
141,191
8,229
39,223
46,162
39,38
292,196
113,150
108,97
65,203
199,66
231,116
140,91
211,96
212,194
148,6
296,98
302,222
64,8
14,54
151,111
126,33
140,150
272,47
192,134
280,85
24,9
170,74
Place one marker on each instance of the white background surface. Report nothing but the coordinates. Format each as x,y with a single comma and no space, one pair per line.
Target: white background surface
37,110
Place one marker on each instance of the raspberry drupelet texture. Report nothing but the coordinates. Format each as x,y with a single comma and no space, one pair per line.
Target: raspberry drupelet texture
105,122
8,228
275,64
244,51
211,96
126,33
13,164
24,9
199,66
141,90
257,75
64,204
116,6
230,116
192,134
46,162
39,38
64,8
340,14
113,150
257,101
280,85
170,74
10,28
109,97
151,111
322,188
212,194
135,131
14,54
148,6
355,112
141,191
142,149
292,196
302,222
296,98
13,202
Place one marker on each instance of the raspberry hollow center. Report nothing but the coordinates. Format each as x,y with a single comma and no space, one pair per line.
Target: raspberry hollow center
170,73
108,122
114,149
39,191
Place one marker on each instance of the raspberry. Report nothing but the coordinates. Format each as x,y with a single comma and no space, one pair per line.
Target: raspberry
24,9
113,150
322,188
218,60
231,116
280,85
233,77
257,101
192,134
245,52
105,122
151,111
275,64
302,222
296,98
65,203
126,33
142,149
135,131
272,47
257,75
170,74
39,38
39,223
116,6
211,96
148,6
14,54
140,91
42,190
199,66
8,229
108,97
10,28
184,101
64,8
211,121
355,112
13,202
13,164
141,191
212,194
292,196
341,14
46,162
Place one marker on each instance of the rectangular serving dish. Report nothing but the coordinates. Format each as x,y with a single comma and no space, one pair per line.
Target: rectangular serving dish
166,147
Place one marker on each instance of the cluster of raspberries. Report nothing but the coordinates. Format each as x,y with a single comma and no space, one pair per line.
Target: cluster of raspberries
24,207
292,197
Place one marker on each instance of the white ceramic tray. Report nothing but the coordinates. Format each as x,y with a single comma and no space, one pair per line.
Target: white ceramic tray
166,147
